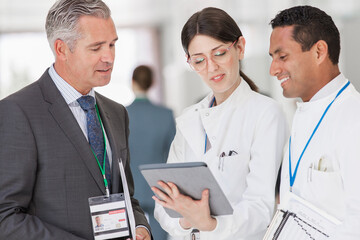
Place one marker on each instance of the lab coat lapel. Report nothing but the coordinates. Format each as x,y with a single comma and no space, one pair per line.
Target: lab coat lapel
211,120
206,120
217,120
194,136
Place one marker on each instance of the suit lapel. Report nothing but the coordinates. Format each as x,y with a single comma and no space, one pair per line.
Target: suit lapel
67,122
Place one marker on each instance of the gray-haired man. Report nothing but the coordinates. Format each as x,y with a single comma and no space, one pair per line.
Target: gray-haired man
48,170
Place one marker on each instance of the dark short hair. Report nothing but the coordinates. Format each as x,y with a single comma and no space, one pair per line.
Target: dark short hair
143,76
310,25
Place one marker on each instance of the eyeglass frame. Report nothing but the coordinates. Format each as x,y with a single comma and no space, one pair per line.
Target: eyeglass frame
188,58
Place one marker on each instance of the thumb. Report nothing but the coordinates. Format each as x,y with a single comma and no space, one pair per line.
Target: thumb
139,237
205,196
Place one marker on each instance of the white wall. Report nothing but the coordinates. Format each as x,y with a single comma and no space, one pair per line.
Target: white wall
178,86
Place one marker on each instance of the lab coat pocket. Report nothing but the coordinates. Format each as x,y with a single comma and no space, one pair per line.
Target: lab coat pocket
326,191
233,171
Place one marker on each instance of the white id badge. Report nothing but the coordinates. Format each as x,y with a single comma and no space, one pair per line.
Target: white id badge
108,216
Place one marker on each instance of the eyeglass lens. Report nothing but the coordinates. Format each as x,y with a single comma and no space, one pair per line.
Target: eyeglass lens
199,62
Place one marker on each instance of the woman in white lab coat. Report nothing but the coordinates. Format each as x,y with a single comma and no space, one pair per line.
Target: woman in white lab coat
236,131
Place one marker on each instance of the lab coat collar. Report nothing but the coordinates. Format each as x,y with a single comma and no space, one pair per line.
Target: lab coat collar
208,119
330,88
240,93
325,93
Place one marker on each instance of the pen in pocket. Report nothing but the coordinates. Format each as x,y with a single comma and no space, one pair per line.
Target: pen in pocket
222,158
232,152
221,161
310,172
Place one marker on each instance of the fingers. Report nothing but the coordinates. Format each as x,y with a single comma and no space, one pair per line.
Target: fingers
139,237
174,189
169,190
161,195
161,202
169,197
162,198
142,234
169,187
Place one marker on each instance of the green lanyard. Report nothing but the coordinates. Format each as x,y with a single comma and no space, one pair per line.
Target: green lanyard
102,169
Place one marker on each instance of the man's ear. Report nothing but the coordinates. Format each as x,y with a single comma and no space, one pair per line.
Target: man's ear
240,45
321,51
61,49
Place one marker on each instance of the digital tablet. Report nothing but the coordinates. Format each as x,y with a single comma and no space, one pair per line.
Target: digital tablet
191,178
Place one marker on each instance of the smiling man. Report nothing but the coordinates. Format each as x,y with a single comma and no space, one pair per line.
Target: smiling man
60,141
322,159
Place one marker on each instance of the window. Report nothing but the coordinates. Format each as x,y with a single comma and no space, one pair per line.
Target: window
25,56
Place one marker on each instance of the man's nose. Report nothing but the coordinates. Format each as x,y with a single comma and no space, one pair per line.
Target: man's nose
274,68
108,55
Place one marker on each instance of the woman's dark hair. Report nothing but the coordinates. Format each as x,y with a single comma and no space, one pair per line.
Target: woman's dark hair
215,23
143,76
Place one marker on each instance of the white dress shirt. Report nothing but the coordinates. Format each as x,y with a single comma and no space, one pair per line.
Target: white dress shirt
71,95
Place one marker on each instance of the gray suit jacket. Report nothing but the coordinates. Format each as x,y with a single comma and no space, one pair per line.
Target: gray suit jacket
47,169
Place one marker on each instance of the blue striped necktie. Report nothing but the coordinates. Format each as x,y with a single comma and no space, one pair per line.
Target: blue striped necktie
95,135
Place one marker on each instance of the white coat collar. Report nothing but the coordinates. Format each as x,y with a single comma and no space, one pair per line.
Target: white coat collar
327,92
199,118
330,88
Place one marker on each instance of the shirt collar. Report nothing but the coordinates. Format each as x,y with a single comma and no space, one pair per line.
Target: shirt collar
139,95
331,87
69,93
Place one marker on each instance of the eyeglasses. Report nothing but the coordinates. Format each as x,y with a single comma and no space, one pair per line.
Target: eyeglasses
199,62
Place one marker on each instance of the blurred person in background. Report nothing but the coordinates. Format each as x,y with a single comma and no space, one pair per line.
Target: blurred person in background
152,129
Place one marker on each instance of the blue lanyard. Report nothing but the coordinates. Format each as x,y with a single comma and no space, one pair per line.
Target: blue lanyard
211,105
293,176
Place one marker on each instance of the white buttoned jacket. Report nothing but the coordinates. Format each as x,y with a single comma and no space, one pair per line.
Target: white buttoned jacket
254,127
332,183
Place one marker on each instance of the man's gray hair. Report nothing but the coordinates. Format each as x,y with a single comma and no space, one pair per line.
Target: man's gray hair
63,16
